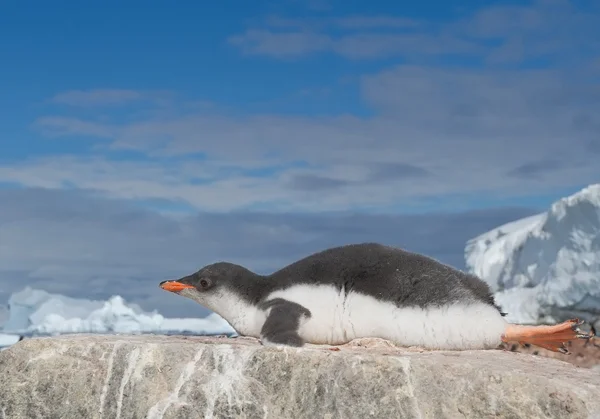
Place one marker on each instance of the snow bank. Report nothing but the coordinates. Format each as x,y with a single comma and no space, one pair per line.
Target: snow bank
545,268
34,311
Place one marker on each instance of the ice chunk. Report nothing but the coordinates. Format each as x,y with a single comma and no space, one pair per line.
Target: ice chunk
34,311
545,268
7,340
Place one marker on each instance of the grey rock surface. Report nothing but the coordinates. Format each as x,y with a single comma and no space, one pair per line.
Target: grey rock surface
121,376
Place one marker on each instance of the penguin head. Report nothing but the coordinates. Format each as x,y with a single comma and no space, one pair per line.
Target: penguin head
207,280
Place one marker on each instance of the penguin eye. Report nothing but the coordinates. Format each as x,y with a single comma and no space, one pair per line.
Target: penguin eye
204,283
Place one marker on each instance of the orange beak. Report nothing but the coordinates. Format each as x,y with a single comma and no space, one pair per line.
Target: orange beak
174,286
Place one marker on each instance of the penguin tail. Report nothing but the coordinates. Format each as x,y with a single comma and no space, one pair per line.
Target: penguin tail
552,337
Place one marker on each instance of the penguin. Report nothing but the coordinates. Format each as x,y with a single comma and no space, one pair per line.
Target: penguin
364,290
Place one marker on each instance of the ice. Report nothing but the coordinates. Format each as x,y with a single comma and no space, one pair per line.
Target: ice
3,314
29,307
7,340
545,268
33,311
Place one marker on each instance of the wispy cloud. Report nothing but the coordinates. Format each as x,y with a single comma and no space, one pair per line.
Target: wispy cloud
379,22
547,29
96,97
536,169
281,44
344,22
58,126
553,30
354,46
106,97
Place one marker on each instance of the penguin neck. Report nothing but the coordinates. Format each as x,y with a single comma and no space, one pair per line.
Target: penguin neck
239,305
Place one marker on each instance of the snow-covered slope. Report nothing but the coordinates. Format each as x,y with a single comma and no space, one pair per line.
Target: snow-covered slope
545,268
34,311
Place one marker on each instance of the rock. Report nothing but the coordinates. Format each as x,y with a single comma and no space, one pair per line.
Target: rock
117,376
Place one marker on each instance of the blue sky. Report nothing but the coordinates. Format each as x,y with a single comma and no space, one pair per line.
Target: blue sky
299,109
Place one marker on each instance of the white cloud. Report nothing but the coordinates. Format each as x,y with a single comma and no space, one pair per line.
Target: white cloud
433,132
496,132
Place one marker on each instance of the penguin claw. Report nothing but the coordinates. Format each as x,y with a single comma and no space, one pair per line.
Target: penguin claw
579,334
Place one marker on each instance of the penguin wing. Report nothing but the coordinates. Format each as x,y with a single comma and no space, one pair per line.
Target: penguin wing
282,323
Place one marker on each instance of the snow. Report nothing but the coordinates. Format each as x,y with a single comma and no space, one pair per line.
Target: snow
544,268
33,311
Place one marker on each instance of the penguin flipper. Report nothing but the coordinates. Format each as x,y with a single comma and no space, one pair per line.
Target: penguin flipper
282,323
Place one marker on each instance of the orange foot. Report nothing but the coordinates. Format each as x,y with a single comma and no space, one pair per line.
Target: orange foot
552,338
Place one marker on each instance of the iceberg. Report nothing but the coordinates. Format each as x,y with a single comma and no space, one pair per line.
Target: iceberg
35,312
545,268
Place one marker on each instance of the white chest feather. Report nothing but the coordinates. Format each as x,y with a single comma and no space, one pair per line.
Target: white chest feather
336,318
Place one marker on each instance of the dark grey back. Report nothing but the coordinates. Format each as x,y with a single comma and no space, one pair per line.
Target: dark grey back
386,273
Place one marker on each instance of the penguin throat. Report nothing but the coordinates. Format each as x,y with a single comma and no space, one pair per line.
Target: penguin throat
241,315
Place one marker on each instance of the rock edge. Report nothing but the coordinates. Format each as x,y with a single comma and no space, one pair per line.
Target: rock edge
146,376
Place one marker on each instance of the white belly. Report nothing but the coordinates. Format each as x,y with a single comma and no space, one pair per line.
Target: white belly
337,319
